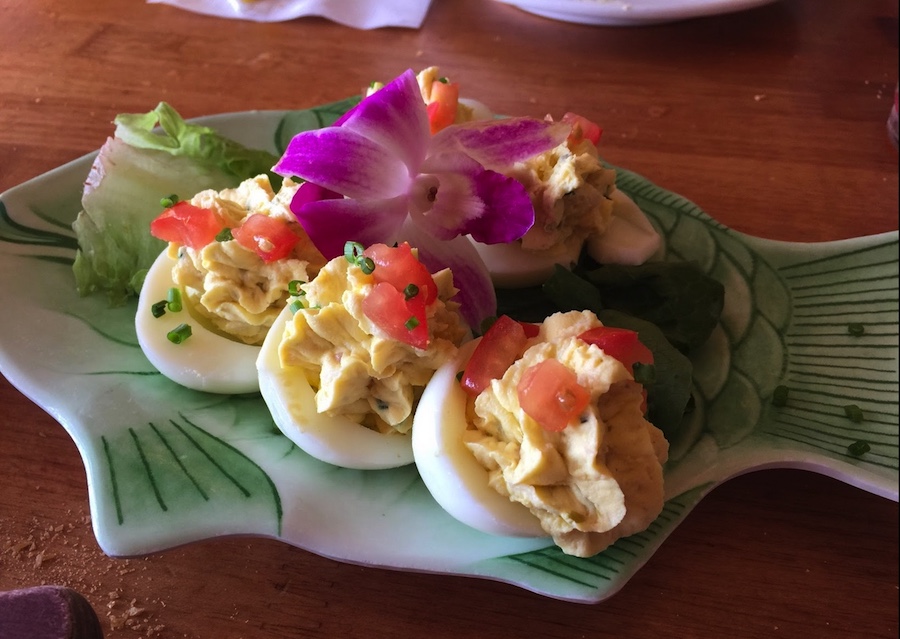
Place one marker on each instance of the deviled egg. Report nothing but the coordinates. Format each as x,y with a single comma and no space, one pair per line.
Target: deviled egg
577,206
344,365
556,444
231,258
184,348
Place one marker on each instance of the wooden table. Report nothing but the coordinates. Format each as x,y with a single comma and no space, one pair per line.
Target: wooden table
772,120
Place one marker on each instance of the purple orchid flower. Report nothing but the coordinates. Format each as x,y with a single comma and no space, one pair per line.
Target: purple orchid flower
379,175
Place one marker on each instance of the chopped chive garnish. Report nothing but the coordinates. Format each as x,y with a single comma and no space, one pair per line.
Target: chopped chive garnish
169,200
173,300
367,265
159,308
353,253
295,306
444,80
780,396
411,323
294,288
856,329
854,412
644,373
410,291
180,333
224,235
859,448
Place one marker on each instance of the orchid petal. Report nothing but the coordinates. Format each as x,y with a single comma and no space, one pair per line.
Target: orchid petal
508,213
445,203
345,161
476,295
309,192
496,144
331,223
451,161
394,117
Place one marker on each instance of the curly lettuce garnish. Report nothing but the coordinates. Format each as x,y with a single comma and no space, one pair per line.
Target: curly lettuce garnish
133,171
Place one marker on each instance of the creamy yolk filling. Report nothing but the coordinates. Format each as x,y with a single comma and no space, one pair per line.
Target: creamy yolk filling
354,370
229,288
595,481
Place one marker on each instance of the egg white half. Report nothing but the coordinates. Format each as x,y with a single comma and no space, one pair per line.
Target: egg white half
455,479
206,361
480,111
511,266
629,239
332,439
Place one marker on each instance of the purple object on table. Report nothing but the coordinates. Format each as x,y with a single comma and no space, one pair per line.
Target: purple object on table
47,612
892,124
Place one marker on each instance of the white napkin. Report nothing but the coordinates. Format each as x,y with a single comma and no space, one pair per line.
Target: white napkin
360,14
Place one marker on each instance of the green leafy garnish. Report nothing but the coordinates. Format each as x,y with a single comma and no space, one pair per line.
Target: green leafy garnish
668,397
678,297
568,291
122,193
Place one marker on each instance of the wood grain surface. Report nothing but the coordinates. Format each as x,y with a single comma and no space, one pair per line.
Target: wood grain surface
772,120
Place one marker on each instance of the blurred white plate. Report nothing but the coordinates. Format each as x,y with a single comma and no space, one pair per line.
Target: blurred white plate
631,12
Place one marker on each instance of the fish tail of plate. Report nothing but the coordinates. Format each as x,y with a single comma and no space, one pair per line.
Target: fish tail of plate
836,399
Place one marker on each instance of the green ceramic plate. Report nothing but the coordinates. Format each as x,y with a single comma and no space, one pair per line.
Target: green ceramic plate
167,466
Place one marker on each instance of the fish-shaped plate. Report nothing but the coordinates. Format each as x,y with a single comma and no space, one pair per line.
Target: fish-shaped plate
168,466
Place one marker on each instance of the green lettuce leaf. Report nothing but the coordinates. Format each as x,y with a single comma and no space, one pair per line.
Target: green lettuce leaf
134,170
669,396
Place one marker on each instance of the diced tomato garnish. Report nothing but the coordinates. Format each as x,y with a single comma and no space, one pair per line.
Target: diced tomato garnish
531,330
620,343
269,237
582,128
390,306
550,394
188,225
399,267
442,107
402,319
500,346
